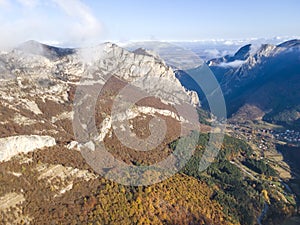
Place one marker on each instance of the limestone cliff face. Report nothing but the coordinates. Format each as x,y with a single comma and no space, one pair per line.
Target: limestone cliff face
144,69
17,144
37,83
49,71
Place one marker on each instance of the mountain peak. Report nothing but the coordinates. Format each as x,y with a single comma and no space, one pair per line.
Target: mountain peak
50,52
31,43
146,52
290,43
243,53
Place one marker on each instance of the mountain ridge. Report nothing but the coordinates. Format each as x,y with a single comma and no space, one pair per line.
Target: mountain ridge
50,181
268,64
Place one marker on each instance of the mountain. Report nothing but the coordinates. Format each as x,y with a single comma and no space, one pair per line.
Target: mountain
43,176
41,86
265,76
51,52
57,106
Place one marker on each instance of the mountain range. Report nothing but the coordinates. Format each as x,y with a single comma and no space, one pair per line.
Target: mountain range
46,178
265,77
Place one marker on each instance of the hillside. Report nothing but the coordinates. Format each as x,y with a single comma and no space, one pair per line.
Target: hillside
44,177
57,105
265,77
268,79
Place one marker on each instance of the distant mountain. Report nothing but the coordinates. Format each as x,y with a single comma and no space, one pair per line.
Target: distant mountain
265,76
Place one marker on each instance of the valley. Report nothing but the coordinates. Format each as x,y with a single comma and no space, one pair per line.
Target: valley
56,107
149,112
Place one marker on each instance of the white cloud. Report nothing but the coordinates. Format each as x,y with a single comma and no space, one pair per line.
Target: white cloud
212,53
68,22
236,63
4,3
29,3
86,27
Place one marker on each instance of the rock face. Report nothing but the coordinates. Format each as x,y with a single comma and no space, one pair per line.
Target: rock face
38,84
12,146
47,72
142,68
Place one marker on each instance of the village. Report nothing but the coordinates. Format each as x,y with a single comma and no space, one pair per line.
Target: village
263,138
289,136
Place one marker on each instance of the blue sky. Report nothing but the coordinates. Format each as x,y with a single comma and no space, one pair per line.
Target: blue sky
79,22
192,19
